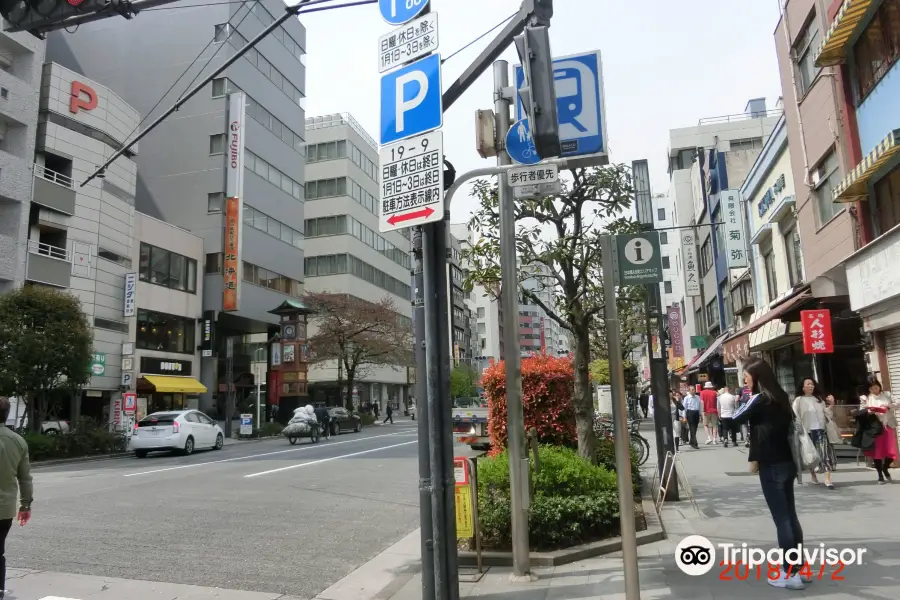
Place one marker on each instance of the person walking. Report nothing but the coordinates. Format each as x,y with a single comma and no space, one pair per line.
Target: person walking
15,485
709,398
692,413
880,404
389,414
677,408
645,403
809,407
727,404
770,418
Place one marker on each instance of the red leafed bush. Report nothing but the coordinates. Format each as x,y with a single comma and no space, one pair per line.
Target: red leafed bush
547,385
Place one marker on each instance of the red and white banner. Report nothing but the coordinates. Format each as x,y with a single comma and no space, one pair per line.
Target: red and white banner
234,203
817,338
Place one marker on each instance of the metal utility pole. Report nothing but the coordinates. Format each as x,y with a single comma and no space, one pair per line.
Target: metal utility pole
509,298
229,383
665,440
617,387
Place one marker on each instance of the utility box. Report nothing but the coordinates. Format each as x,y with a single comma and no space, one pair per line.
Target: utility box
485,137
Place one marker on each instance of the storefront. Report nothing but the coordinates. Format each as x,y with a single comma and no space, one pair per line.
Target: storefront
167,384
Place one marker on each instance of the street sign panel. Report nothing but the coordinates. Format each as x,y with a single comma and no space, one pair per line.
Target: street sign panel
540,190
411,100
579,101
532,176
412,41
412,182
398,12
640,260
519,144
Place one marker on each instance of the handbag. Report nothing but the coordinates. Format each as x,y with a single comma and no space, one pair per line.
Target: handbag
809,456
834,436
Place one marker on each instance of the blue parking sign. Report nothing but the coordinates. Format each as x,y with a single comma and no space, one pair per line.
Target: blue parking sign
398,12
580,103
411,100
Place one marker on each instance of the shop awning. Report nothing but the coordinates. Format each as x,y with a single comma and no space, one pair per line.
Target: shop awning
170,384
776,313
855,185
736,348
833,50
713,348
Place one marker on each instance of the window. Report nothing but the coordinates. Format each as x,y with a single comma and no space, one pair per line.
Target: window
272,175
712,314
666,262
217,143
825,178
663,237
706,260
222,31
255,111
886,205
256,275
702,329
805,48
114,257
161,267
165,333
771,281
794,256
215,202
661,214
481,312
214,263
219,87
667,287
683,313
726,300
111,325
747,144
4,93
878,47
237,41
336,264
272,227
344,224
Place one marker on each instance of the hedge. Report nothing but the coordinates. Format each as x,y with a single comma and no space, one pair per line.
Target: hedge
85,439
547,386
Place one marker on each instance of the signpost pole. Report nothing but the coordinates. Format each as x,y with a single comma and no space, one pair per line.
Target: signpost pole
229,383
515,419
617,387
665,441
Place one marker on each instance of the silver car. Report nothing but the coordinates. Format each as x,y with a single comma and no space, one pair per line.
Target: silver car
176,430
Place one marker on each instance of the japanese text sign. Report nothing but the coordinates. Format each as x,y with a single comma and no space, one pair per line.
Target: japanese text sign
689,263
232,249
817,338
735,250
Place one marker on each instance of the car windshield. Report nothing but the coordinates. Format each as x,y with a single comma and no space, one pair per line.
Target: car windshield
158,419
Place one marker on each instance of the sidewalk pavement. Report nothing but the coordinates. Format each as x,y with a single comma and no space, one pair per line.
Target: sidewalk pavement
858,514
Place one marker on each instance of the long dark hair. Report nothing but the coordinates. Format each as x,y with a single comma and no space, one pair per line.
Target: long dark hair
766,385
817,391
873,380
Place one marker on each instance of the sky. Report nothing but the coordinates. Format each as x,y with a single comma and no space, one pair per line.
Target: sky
665,65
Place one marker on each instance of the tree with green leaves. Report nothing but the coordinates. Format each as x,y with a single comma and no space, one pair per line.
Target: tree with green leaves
600,370
463,382
558,245
45,345
632,322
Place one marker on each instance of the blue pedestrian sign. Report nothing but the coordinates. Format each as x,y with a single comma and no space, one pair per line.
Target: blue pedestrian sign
580,103
399,12
411,100
520,145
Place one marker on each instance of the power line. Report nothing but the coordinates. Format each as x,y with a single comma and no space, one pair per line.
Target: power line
480,37
198,5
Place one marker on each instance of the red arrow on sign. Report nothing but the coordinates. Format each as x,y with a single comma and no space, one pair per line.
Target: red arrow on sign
424,213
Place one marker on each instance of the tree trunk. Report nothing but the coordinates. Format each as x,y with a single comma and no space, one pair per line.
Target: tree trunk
582,400
348,403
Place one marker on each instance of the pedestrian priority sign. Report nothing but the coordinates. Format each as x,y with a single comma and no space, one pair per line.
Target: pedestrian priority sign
639,259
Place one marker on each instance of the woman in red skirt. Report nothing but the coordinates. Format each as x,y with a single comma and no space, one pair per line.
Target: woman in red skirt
880,403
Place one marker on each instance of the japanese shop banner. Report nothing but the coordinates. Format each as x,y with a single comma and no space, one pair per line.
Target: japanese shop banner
234,190
817,337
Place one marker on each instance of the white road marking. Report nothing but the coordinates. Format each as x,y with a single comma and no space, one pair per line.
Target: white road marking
324,460
225,460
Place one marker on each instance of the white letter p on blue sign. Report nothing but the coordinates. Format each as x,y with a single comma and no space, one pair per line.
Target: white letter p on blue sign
411,100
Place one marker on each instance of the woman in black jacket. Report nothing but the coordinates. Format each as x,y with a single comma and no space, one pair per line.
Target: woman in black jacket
770,417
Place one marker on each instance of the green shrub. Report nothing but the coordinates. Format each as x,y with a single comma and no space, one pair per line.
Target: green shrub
606,456
86,438
271,429
41,447
366,418
574,501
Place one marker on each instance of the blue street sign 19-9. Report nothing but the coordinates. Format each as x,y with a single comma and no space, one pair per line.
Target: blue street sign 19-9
579,101
411,100
520,145
398,12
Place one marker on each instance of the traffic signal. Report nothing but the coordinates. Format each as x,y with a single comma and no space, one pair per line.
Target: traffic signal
538,93
30,15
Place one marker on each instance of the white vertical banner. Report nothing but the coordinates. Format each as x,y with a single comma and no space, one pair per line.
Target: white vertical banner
689,263
735,250
130,294
234,201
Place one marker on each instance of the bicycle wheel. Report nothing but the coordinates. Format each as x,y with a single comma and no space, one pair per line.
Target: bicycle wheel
646,455
641,448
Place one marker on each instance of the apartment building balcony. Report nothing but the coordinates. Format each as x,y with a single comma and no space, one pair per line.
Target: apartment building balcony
873,281
54,190
50,265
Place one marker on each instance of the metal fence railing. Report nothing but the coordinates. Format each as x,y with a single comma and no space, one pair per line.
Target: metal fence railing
54,176
36,247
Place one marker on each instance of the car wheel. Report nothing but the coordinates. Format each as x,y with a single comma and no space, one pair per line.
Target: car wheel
358,427
189,446
335,428
52,432
220,441
140,453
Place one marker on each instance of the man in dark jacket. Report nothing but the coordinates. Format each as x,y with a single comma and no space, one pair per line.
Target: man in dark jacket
15,485
324,420
389,411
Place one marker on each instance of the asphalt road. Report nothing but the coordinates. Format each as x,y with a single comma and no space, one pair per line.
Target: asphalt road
263,516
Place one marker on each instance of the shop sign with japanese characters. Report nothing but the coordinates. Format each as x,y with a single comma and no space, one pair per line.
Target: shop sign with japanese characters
413,40
817,338
689,262
532,175
735,250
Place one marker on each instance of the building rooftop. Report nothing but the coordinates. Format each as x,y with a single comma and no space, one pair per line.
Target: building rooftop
338,119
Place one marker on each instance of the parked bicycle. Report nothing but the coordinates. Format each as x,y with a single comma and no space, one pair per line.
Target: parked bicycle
604,427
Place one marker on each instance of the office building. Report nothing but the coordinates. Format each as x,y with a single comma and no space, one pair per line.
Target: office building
137,278
183,163
21,59
345,252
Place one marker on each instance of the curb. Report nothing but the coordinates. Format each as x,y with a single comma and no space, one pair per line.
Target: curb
655,532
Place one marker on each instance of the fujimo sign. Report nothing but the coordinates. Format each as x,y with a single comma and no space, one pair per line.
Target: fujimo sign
234,191
817,338
83,97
